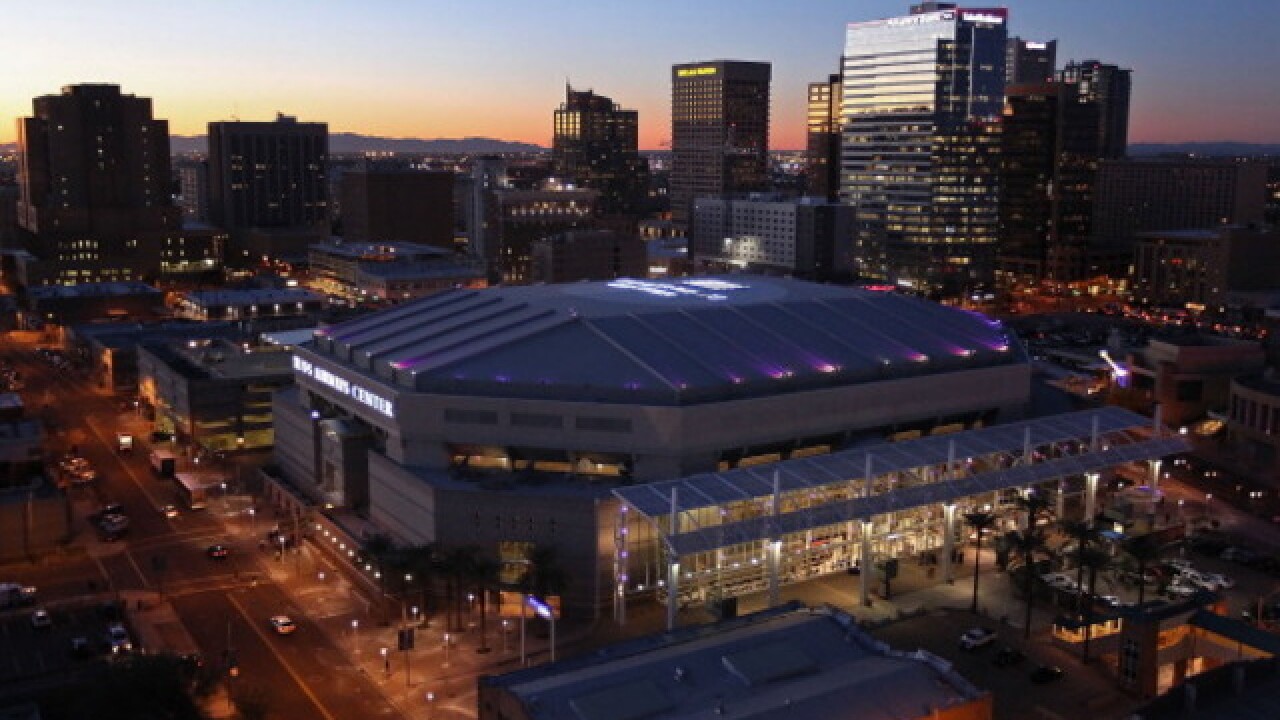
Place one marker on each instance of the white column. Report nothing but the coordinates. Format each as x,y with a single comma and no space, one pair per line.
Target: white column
948,540
1155,474
1090,497
864,578
772,552
673,567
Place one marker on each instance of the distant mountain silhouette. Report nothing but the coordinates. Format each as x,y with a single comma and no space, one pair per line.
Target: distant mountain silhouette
1225,147
356,143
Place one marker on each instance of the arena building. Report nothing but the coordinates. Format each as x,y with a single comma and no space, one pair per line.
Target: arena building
589,416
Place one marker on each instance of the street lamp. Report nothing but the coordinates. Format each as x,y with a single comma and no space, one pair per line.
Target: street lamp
431,705
253,521
506,635
355,637
386,663
414,611
544,611
446,650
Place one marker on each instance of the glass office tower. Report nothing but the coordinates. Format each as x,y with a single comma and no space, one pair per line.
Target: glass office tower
920,105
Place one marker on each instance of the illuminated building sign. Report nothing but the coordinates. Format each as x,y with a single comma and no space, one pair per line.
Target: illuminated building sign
1037,45
344,386
706,288
695,72
983,16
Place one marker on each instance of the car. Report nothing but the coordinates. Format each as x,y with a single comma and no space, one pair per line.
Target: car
80,648
977,637
1179,563
1046,674
1180,590
118,641
41,620
283,624
1110,601
1007,656
1222,581
170,511
218,552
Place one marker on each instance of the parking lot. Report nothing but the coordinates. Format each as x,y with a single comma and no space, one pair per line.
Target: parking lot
31,652
1087,689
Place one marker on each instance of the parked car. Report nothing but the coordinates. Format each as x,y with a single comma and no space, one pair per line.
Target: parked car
977,637
1046,674
1222,581
1007,656
218,552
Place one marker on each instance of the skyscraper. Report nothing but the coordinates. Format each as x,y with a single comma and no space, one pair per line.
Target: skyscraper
921,98
1028,160
719,131
1028,61
1107,86
269,176
822,150
94,185
595,145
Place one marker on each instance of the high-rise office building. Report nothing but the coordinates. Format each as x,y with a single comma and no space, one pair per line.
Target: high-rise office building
1028,161
1107,87
822,151
193,189
1143,195
269,177
94,186
769,234
596,145
719,131
1029,61
921,100
388,206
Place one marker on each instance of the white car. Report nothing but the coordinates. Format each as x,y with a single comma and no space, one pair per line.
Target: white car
1220,580
1196,580
977,637
40,619
283,624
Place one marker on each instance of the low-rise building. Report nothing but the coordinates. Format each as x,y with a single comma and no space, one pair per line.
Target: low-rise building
1253,422
809,237
1201,268
588,255
214,394
111,349
1190,375
357,272
248,304
65,305
791,662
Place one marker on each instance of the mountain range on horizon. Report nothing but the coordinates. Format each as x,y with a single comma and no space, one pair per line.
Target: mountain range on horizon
344,142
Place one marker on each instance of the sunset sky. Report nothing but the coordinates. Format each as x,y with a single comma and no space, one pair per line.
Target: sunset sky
433,68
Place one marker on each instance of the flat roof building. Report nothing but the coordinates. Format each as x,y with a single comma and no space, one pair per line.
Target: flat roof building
791,663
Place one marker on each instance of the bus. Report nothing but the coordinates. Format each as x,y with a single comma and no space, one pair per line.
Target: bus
194,488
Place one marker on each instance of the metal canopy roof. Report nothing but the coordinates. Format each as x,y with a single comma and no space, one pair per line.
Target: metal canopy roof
714,489
765,527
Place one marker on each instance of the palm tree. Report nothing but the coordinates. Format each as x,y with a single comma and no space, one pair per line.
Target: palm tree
457,566
419,562
1035,504
980,522
1095,559
1143,550
1027,543
485,577
1086,537
381,550
545,576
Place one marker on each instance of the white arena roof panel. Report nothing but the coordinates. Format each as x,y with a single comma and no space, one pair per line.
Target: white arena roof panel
678,342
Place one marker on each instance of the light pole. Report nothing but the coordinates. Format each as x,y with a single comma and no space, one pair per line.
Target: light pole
253,521
414,611
226,502
446,650
431,705
546,612
355,637
506,636
386,663
471,609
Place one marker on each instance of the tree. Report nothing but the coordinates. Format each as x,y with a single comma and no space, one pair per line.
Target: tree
1144,551
485,577
381,550
1095,559
1027,544
1086,537
253,702
142,687
980,522
420,562
1035,504
544,575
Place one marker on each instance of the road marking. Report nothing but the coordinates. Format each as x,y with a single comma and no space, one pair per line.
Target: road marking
129,556
269,642
88,420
